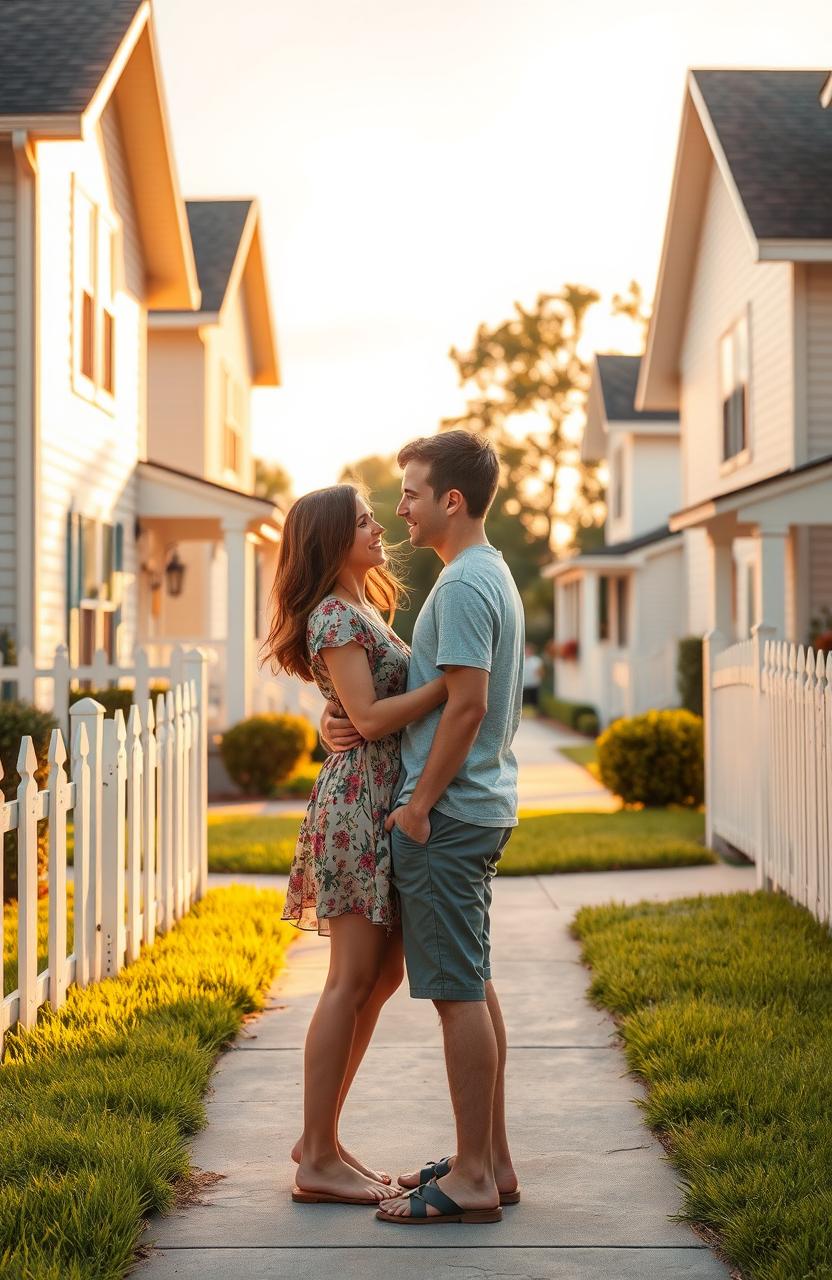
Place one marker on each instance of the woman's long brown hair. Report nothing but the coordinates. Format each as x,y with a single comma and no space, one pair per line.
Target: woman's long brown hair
317,536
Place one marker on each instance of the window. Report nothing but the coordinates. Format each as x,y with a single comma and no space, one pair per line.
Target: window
733,362
622,600
603,608
232,447
94,324
617,483
95,563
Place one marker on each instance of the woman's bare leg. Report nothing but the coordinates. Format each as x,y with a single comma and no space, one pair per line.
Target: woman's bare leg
356,955
388,982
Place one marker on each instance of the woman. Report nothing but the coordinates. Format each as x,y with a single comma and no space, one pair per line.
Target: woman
331,583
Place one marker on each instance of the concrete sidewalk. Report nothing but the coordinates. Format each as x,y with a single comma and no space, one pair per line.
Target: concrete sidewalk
597,1192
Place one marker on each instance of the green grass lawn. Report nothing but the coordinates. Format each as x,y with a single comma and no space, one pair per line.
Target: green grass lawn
10,938
725,1009
98,1101
586,754
543,842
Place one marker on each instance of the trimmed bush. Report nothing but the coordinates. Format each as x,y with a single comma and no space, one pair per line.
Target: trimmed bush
263,750
689,673
654,759
113,700
580,716
17,719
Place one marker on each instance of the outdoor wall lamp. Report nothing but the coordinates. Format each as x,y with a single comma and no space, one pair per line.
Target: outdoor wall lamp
175,574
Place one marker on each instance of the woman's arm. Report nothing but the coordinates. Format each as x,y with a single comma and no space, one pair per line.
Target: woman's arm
372,716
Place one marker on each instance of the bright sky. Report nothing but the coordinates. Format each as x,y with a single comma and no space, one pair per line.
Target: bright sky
422,163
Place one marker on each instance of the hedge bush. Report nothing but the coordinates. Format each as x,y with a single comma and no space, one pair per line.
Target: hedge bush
689,673
580,716
263,750
17,719
654,759
113,700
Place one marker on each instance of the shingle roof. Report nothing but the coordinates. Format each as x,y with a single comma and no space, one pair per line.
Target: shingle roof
53,53
216,228
633,544
618,376
777,139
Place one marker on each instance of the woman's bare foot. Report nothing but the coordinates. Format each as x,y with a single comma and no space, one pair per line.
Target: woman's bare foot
375,1175
336,1178
504,1175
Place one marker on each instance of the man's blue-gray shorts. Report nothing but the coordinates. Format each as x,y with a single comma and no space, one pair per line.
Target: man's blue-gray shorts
445,892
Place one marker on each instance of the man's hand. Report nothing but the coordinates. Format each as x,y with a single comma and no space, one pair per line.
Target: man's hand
413,823
337,732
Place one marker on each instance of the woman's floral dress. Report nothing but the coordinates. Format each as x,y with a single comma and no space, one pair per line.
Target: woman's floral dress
342,860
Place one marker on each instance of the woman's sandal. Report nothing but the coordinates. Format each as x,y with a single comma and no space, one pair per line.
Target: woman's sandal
449,1211
440,1168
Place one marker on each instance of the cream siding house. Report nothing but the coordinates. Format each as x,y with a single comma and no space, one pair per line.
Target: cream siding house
202,368
93,236
620,609
739,345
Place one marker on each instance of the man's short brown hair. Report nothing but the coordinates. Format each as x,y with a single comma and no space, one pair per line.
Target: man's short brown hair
457,460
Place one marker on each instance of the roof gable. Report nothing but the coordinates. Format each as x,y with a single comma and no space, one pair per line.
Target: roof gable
216,230
618,378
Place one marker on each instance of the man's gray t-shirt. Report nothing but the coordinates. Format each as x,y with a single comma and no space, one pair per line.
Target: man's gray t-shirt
473,617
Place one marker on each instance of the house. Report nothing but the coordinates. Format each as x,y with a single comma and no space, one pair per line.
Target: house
621,608
94,239
202,366
740,345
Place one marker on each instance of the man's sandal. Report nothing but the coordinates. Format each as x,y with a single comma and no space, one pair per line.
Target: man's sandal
449,1211
440,1168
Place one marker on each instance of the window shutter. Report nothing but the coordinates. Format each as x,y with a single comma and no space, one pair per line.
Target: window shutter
74,578
115,590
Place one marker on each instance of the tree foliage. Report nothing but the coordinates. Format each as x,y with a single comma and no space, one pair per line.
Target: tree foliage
272,481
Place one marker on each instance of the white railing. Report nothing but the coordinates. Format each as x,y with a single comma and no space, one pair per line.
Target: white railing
138,799
768,762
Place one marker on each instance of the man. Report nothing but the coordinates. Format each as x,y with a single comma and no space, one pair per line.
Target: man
456,807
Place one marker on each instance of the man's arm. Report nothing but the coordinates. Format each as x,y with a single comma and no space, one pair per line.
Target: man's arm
456,733
337,732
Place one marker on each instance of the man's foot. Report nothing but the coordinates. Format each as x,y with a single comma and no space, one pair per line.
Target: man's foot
468,1195
504,1176
375,1175
338,1179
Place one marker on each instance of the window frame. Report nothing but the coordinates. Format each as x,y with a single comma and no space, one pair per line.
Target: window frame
730,462
99,284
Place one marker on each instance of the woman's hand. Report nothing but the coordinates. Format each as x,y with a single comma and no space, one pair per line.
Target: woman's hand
337,732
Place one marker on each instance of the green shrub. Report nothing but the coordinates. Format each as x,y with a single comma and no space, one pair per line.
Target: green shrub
654,759
17,719
578,715
263,750
689,673
113,700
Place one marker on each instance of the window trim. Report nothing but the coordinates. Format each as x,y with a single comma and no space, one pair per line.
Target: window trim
103,222
733,462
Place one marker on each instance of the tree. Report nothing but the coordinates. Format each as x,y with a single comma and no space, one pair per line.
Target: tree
272,481
633,304
530,367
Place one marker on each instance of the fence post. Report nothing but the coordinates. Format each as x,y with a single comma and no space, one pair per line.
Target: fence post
196,667
712,643
187,821
58,791
60,688
81,854
100,669
26,676
27,883
90,714
760,633
149,824
141,687
164,790
135,796
179,816
114,777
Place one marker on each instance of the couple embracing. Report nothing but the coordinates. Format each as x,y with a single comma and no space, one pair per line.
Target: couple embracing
410,812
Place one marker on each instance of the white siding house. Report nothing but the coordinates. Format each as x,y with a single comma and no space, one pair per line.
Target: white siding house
94,236
620,609
740,344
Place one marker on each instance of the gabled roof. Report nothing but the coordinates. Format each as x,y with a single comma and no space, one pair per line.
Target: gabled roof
770,137
618,377
61,64
54,53
216,230
228,248
614,556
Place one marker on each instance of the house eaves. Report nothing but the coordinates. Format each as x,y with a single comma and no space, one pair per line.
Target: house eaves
729,503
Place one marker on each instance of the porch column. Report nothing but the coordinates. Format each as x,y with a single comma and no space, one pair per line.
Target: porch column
588,621
239,622
720,573
772,546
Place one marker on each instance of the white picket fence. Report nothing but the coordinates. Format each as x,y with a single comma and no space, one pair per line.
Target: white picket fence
138,799
768,761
